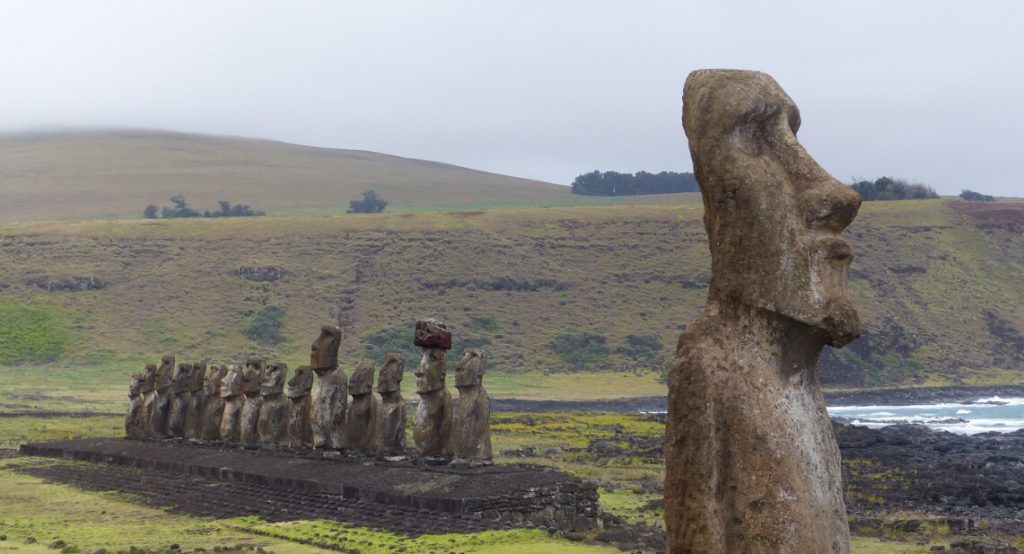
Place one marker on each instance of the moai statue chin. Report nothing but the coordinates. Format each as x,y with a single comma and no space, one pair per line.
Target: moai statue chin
330,394
391,415
164,391
252,381
196,403
213,407
272,426
361,420
133,416
432,428
471,431
179,401
752,463
231,392
300,429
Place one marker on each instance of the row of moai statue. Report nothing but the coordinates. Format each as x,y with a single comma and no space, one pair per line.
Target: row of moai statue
249,406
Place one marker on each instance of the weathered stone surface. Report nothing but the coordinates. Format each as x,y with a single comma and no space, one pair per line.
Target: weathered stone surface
361,420
132,419
432,428
231,393
752,463
147,389
471,429
300,429
330,394
213,407
72,284
432,333
163,389
196,403
179,401
273,419
249,420
391,418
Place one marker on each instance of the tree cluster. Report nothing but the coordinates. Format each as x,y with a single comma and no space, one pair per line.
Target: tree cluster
613,183
972,196
887,188
182,209
372,203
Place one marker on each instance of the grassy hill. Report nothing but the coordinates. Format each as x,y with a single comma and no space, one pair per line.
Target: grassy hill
115,174
572,302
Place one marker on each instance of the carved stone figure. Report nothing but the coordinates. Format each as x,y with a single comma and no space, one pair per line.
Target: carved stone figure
272,426
432,428
361,421
213,409
330,394
300,429
196,403
164,390
471,429
752,463
147,390
133,417
249,421
179,401
231,393
391,418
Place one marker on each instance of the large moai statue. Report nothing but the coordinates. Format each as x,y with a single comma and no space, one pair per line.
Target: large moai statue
330,394
471,429
249,420
179,401
300,428
231,392
361,420
196,403
147,390
133,417
432,428
391,418
272,426
163,384
213,409
752,463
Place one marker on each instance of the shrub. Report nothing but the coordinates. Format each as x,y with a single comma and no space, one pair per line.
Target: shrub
265,327
150,212
886,188
180,209
643,348
582,351
972,196
393,339
31,333
372,203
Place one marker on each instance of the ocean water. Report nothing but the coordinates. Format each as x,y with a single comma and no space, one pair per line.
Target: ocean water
978,416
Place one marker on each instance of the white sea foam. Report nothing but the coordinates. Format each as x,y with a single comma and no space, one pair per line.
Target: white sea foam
981,416
962,412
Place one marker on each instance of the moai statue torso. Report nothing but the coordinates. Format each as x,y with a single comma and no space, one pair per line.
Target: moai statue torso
196,403
213,408
179,401
253,379
300,429
471,430
432,428
272,426
391,415
361,420
133,417
330,394
752,463
163,383
231,393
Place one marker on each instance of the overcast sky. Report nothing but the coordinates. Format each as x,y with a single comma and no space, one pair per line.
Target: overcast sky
930,91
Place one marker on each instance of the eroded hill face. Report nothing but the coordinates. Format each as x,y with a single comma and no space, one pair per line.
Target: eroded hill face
558,289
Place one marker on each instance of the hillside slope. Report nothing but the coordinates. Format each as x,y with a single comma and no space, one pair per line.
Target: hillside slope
545,290
115,174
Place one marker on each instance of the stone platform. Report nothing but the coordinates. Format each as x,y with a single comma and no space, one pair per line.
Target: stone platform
493,496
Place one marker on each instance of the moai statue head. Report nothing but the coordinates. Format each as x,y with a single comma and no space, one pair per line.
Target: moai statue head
135,389
323,354
213,379
252,379
233,382
182,378
362,380
470,370
390,379
431,372
148,379
164,373
301,383
198,377
772,214
273,379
